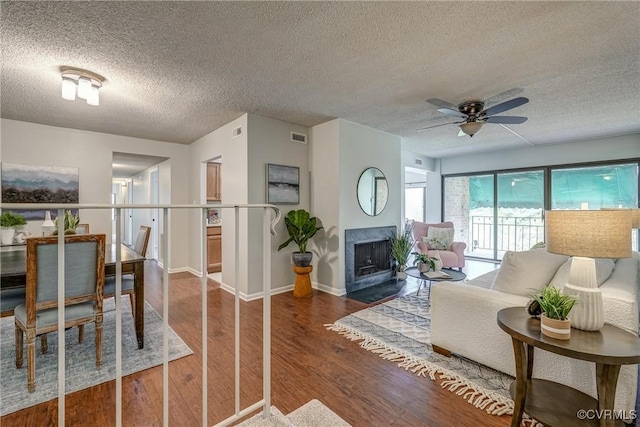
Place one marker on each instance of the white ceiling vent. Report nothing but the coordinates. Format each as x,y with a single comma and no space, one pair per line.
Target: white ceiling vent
298,137
236,132
417,161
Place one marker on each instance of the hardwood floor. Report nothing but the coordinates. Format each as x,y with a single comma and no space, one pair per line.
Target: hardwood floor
308,362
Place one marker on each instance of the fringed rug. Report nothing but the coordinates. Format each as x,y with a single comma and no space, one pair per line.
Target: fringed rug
399,331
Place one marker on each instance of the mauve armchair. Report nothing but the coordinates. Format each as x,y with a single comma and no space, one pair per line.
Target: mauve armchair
452,257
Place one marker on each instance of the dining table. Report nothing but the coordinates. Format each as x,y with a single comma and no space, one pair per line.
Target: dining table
13,276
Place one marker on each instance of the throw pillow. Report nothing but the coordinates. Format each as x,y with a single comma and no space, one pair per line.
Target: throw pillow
524,273
604,268
439,238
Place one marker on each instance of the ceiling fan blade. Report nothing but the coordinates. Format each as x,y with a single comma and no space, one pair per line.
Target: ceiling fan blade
507,105
503,96
454,113
440,103
437,126
507,120
517,134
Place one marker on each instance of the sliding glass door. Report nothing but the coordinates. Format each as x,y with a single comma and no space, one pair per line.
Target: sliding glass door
504,210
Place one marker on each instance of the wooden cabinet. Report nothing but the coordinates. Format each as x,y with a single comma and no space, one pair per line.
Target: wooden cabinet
214,182
214,249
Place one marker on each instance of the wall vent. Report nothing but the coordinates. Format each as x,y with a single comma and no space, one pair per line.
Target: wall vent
417,161
236,132
298,137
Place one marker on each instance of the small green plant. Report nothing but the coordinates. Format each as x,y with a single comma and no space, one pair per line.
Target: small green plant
301,227
10,219
554,303
70,222
401,245
424,258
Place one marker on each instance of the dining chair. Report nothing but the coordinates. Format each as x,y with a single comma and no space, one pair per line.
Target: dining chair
83,288
140,246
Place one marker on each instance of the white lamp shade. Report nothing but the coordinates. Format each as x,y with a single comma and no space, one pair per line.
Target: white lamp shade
94,96
589,233
471,128
68,89
84,87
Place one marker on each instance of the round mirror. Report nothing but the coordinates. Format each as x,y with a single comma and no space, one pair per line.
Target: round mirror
373,191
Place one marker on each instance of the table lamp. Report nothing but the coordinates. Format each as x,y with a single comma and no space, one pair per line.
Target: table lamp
584,235
47,226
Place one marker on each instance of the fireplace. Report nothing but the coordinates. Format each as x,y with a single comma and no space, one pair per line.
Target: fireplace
368,257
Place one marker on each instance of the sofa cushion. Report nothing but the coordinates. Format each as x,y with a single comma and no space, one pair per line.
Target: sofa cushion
604,268
524,273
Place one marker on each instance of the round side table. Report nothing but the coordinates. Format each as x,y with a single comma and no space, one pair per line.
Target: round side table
555,404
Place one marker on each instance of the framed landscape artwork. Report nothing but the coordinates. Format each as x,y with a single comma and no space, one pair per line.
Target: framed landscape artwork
283,185
39,184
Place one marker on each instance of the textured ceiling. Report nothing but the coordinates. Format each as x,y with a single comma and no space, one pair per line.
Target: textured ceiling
178,70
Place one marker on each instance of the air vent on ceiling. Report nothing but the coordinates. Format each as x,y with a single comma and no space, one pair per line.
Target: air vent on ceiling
236,132
417,161
298,137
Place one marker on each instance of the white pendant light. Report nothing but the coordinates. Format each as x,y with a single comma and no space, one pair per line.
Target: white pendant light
94,96
81,83
68,89
84,87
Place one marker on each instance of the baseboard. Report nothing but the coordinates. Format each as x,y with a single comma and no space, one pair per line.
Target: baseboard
185,270
329,290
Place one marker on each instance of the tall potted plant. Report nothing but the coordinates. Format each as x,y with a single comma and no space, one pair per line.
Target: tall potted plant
401,245
301,227
9,221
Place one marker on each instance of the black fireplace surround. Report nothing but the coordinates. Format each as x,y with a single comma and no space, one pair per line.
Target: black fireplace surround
367,257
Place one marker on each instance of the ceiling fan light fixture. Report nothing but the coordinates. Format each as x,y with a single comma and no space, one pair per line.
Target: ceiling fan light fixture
81,83
471,128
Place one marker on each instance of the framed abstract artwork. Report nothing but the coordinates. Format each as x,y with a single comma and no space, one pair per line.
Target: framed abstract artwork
39,184
283,185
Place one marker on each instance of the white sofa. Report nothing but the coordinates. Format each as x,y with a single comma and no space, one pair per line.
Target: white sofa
463,321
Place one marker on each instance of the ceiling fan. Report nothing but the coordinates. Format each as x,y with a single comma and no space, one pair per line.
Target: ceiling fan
474,116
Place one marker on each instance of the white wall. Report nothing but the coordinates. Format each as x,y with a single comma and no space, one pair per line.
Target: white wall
621,147
324,158
92,153
270,142
358,148
235,185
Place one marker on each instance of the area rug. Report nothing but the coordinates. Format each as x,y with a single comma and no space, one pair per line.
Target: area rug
80,362
399,331
312,414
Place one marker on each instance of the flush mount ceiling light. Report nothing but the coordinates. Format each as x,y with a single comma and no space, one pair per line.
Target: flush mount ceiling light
471,128
81,83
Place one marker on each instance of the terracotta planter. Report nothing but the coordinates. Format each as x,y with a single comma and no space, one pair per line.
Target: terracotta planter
554,328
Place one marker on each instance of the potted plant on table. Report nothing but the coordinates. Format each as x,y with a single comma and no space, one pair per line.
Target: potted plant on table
401,245
70,223
555,305
9,221
301,227
426,263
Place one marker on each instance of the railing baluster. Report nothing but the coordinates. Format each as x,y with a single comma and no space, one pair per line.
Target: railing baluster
166,218
61,317
205,335
237,312
118,301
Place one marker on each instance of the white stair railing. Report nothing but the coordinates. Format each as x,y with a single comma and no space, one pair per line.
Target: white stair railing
267,228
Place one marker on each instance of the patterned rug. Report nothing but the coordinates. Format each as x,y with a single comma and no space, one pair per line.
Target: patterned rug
80,361
398,330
